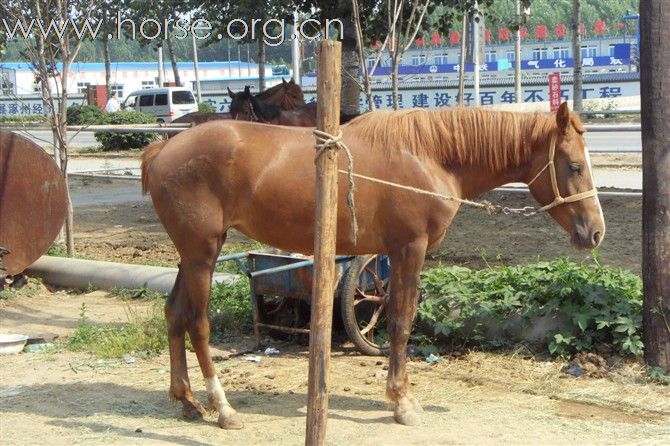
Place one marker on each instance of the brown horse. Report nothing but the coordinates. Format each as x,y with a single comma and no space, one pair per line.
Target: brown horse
287,95
247,107
259,179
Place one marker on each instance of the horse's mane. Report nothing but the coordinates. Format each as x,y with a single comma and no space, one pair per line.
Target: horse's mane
267,112
292,95
458,136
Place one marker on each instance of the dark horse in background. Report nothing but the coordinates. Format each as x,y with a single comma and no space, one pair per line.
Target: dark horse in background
286,95
260,180
249,107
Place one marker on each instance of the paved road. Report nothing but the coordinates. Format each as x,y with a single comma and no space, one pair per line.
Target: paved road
616,141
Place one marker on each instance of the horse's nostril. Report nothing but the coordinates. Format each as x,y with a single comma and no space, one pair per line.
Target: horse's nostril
596,237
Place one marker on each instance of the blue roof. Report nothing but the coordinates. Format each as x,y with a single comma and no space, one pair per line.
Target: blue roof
138,66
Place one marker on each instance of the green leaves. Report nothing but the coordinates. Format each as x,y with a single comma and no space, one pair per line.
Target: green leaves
578,305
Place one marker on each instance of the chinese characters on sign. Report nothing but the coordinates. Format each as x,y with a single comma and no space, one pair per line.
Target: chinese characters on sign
554,91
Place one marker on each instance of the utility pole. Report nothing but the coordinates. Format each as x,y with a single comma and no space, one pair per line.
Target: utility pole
295,50
475,50
576,56
161,80
517,53
195,68
461,62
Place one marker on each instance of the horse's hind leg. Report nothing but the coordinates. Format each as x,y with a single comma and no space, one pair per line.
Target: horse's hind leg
199,272
407,263
180,387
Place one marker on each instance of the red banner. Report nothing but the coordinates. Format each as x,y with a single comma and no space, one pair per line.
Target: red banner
554,91
541,32
436,39
454,37
599,27
559,30
421,42
487,35
503,35
524,32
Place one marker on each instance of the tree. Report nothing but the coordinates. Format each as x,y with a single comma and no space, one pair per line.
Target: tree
654,87
51,56
163,11
248,11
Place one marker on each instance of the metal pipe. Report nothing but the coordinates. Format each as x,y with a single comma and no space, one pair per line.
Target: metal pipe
81,274
236,256
296,265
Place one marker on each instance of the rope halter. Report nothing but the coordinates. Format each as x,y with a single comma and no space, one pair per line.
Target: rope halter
558,199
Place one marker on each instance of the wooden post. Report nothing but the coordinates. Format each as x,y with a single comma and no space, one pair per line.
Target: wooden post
655,88
328,120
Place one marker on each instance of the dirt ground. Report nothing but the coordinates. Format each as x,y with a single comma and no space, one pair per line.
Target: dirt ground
131,232
73,398
478,398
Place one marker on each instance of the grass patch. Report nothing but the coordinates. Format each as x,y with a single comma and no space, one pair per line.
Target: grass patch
30,289
138,293
144,335
57,250
230,309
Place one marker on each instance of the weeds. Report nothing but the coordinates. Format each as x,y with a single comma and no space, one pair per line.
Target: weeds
140,336
588,305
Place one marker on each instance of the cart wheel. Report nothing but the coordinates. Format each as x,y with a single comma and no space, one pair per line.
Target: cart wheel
363,302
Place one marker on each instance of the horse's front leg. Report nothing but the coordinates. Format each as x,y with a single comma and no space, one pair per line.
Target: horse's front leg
407,263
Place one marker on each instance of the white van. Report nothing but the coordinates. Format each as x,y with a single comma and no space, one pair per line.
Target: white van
167,104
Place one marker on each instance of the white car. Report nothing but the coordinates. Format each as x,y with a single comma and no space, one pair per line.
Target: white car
166,104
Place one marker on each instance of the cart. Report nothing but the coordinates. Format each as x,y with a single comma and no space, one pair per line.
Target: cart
281,289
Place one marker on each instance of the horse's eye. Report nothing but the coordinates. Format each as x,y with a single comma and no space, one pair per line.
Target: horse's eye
576,168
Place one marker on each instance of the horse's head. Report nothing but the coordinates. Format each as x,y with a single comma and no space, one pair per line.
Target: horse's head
560,179
241,107
293,95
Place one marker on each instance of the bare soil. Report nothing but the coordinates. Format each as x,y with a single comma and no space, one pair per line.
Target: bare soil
73,398
131,232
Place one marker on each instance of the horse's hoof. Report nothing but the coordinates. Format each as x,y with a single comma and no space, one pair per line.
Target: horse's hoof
229,419
407,417
191,412
416,405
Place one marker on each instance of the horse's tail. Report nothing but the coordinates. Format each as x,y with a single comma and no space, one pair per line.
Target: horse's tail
150,152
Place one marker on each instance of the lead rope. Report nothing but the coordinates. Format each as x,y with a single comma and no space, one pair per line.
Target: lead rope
325,142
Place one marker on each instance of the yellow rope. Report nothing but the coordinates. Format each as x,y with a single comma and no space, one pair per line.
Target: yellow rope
326,142
487,206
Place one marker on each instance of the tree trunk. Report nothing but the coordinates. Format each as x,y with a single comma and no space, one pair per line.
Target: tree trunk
351,92
108,66
654,88
61,129
173,61
261,64
576,56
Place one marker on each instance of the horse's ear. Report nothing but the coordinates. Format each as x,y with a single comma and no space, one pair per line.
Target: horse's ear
231,94
247,90
563,117
292,81
283,81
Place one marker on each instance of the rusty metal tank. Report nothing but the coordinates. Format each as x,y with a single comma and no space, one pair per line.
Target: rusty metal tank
33,202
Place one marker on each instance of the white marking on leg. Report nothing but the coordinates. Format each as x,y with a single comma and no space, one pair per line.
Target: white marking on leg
216,393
